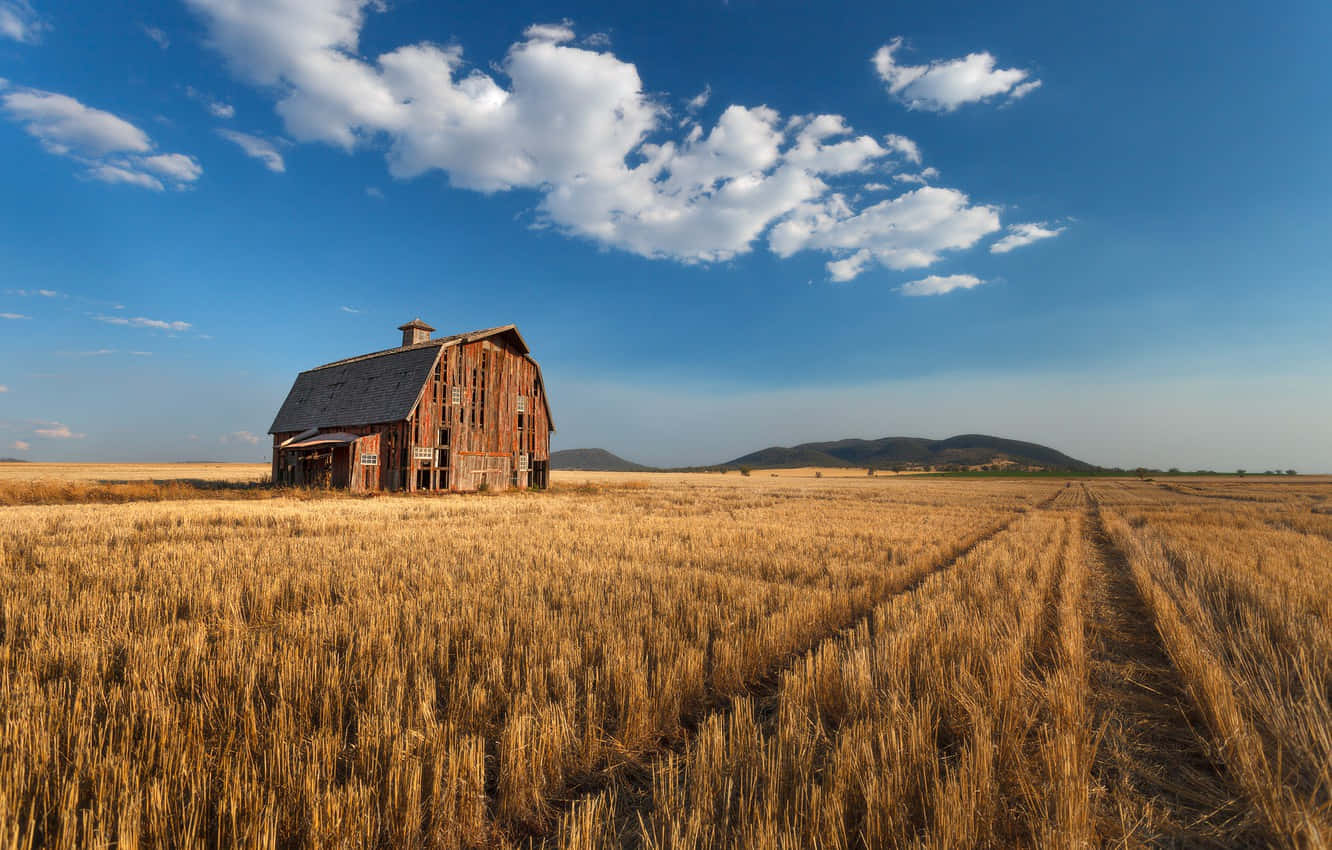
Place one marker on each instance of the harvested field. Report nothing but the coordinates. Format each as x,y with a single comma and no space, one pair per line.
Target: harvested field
674,660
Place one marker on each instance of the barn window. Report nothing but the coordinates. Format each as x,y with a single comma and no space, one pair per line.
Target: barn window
443,440
369,459
522,404
457,395
522,462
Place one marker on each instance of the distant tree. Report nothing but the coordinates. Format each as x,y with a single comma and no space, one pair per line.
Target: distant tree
1174,470
723,470
744,470
870,471
1141,472
818,474
1290,472
1239,472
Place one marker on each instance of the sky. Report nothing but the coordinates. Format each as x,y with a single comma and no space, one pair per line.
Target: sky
720,226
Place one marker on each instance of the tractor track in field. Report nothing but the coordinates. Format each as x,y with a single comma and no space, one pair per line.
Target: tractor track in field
1155,781
635,778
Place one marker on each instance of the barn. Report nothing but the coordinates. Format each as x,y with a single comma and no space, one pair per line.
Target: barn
461,412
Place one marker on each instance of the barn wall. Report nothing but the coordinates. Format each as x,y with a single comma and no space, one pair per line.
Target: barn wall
485,443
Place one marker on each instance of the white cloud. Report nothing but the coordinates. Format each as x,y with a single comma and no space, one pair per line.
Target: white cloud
176,166
940,284
215,107
157,35
14,316
574,125
904,146
57,431
20,445
347,309
944,85
924,176
141,353
110,148
374,192
257,148
108,173
1024,234
45,293
3,388
699,100
851,267
597,40
64,126
909,231
141,322
1024,89
19,22
241,437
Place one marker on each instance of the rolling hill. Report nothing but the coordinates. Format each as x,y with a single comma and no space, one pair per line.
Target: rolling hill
594,460
964,449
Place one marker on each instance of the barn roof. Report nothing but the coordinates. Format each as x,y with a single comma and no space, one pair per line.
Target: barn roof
378,387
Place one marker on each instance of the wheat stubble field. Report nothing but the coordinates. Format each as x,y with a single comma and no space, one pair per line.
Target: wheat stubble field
687,661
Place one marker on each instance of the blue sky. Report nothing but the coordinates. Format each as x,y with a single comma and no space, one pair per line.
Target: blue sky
720,226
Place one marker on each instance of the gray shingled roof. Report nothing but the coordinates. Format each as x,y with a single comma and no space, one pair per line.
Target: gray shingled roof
376,388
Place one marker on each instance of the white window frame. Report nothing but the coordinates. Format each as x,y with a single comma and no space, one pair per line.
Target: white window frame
369,458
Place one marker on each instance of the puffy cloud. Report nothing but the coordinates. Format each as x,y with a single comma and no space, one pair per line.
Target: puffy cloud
110,148
141,322
574,124
1024,234
57,431
940,284
176,166
258,148
19,22
909,231
904,146
63,125
944,85
20,445
851,267
3,388
241,437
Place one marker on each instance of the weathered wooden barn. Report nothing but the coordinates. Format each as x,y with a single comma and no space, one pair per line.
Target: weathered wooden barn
453,413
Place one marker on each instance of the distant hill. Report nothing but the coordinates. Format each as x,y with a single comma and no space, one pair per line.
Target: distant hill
594,460
965,449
